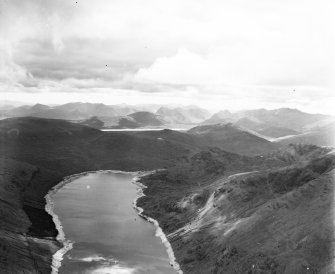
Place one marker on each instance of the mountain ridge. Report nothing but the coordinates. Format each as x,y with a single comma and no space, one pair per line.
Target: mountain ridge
199,183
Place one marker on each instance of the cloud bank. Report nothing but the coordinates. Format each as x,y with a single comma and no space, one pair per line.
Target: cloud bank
218,54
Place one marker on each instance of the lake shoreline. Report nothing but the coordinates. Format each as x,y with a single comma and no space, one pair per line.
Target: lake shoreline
67,245
159,230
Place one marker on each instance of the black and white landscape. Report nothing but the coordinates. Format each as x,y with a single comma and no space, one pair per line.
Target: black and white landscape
160,137
227,197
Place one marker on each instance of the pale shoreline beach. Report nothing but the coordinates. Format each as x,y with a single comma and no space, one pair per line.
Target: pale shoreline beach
159,231
68,244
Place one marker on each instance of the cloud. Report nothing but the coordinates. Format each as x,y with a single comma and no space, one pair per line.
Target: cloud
269,63
184,68
213,52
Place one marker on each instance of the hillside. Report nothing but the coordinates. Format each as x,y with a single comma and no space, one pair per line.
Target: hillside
231,138
35,155
223,136
264,129
33,139
285,118
224,212
93,122
321,136
223,116
140,119
22,250
264,219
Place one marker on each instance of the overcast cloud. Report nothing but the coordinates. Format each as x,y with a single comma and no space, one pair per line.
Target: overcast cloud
215,53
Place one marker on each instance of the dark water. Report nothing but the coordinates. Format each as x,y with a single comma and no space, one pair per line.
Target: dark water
109,237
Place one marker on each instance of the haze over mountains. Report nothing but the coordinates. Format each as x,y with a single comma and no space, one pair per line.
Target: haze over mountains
281,125
121,116
277,125
291,119
229,105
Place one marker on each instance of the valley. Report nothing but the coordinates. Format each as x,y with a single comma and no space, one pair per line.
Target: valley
228,201
161,137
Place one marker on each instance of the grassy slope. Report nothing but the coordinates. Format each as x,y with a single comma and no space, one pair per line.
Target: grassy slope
322,137
278,220
230,138
226,137
36,155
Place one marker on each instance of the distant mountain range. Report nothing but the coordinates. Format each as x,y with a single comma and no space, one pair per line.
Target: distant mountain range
279,125
265,129
70,111
115,116
186,115
140,119
258,119
276,125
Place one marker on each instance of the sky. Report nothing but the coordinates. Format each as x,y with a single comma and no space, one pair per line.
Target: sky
218,54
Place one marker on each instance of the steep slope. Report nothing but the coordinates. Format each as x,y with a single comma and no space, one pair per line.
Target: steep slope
94,122
292,118
146,118
223,116
224,136
35,155
139,119
264,129
86,110
322,136
34,139
231,138
20,250
224,212
246,216
287,118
